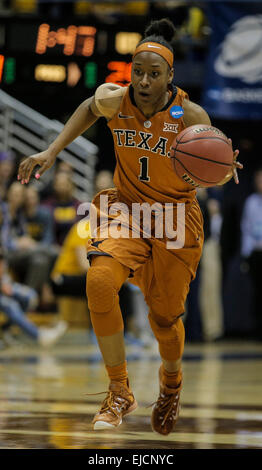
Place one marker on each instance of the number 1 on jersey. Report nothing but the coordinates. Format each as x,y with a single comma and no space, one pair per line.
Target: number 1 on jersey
144,169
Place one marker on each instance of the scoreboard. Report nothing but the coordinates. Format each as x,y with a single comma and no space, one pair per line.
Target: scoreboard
52,66
65,53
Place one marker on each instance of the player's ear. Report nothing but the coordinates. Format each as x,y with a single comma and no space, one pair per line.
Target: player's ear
170,76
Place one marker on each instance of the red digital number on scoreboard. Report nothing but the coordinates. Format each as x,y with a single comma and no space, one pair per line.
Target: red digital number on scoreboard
121,73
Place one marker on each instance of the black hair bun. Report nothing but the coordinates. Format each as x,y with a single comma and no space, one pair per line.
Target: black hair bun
164,28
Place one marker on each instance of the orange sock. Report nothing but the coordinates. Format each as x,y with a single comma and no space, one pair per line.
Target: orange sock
171,379
118,373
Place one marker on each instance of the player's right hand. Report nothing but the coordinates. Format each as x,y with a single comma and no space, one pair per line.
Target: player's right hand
44,159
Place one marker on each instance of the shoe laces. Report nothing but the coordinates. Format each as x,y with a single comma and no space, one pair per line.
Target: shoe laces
113,402
167,406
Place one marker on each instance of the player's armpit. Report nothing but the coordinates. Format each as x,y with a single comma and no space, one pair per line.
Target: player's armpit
194,114
108,99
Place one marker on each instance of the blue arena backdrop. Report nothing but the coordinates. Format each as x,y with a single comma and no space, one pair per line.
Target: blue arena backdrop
233,76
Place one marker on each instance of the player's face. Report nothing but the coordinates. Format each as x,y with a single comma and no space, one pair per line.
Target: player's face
150,78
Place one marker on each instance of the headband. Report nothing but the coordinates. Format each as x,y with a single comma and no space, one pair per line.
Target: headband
157,48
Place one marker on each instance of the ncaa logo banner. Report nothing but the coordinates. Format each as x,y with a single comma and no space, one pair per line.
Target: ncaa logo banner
233,83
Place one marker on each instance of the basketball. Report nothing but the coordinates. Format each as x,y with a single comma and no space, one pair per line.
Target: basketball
202,155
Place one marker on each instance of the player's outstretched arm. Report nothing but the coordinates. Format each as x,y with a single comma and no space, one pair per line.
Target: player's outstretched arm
104,103
82,119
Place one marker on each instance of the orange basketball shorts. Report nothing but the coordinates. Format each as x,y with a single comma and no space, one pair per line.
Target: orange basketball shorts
163,275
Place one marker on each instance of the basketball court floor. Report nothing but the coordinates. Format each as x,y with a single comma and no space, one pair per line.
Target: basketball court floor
44,402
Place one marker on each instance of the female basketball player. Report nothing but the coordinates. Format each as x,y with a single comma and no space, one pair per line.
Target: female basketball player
144,119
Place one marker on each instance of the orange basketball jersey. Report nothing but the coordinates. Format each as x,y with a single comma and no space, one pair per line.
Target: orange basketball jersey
144,172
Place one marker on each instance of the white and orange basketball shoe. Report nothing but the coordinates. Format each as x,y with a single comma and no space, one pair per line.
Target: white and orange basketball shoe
119,402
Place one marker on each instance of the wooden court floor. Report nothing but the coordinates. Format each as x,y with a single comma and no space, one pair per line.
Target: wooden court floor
43,401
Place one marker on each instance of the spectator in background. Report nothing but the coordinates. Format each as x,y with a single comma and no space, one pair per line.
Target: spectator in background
69,273
47,190
251,246
104,180
16,300
28,259
64,167
40,227
211,283
63,206
234,198
6,172
13,234
39,220
2,228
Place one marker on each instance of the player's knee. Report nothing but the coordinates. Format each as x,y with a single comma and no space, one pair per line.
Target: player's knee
100,289
167,330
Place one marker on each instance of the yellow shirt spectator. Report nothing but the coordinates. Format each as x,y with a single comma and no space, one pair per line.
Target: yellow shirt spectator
72,258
